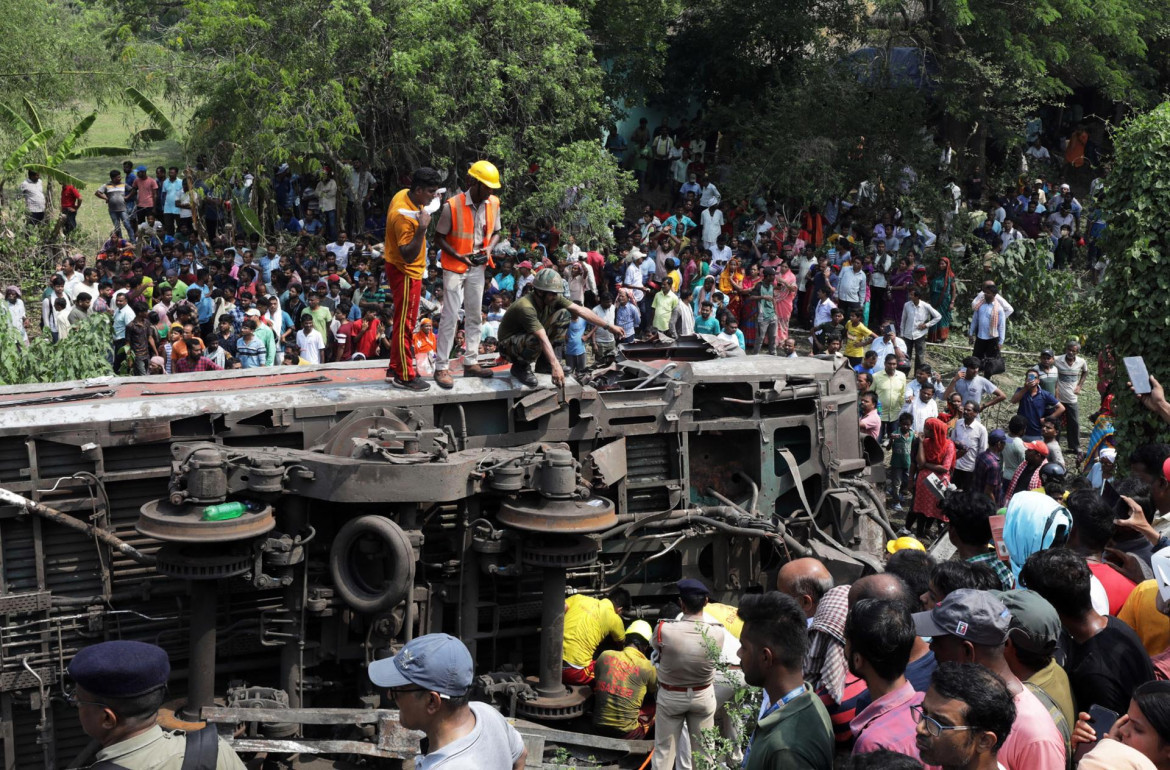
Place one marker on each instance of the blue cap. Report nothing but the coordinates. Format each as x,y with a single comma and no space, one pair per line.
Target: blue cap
996,435
437,662
140,168
120,669
692,586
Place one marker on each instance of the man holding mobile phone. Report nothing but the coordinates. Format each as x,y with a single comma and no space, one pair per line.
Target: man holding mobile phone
469,228
1034,405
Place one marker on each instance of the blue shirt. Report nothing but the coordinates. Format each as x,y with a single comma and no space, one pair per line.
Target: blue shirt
679,226
628,317
981,323
205,307
251,353
267,265
314,227
290,225
707,325
575,342
1033,408
172,190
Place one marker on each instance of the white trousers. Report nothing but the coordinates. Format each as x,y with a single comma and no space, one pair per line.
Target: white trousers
460,290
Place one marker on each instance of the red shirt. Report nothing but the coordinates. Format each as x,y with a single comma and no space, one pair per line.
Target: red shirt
70,198
146,191
1117,586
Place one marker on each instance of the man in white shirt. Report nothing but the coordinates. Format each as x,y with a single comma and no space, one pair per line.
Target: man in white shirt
712,224
633,276
16,313
889,344
883,262
33,190
922,407
1071,371
309,340
970,438
341,248
1009,235
602,338
721,254
710,195
851,287
917,318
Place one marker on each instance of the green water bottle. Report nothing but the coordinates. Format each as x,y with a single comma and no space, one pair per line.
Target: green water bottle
224,511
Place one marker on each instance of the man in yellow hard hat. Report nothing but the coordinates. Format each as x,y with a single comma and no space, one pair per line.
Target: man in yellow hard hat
468,229
626,680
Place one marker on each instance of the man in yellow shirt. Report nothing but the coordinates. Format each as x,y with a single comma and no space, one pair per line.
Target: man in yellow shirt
406,261
624,680
588,621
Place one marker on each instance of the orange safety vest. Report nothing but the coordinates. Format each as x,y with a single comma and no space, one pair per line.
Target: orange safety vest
462,235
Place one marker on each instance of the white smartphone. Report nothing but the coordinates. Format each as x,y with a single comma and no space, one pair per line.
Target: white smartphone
1136,366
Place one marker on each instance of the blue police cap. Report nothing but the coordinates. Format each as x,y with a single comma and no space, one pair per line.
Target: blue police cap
120,669
692,586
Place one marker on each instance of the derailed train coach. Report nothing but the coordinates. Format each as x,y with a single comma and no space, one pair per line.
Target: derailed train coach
366,516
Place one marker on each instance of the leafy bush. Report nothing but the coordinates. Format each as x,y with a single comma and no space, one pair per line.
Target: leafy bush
81,355
1051,305
1137,283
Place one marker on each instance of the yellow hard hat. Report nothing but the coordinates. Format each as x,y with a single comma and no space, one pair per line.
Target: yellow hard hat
641,628
485,172
902,543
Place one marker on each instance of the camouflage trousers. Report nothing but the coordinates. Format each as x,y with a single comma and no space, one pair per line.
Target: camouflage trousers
526,348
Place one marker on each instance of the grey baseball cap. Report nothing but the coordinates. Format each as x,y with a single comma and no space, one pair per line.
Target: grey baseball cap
1034,622
978,617
436,662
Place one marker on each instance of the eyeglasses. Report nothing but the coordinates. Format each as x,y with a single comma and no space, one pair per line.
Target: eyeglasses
933,726
72,699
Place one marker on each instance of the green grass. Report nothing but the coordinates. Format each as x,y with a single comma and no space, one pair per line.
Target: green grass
114,126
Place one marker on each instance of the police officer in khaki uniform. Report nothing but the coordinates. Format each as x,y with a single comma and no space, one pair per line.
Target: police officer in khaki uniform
687,650
120,686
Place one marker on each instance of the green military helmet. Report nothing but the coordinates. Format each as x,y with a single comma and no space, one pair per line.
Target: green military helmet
549,280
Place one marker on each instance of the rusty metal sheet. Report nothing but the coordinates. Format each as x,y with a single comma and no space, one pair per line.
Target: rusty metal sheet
609,462
538,404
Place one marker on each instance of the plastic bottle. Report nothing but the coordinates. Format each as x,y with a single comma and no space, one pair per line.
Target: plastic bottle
224,511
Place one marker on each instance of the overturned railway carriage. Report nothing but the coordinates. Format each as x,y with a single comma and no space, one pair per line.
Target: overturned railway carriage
373,515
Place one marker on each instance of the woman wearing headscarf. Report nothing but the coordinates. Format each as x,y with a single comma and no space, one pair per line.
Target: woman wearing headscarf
731,284
936,455
900,282
785,295
942,299
749,307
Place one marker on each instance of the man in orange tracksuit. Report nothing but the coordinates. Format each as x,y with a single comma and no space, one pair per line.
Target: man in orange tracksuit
406,261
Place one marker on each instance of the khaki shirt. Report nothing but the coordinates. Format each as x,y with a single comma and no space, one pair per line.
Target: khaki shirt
157,749
687,651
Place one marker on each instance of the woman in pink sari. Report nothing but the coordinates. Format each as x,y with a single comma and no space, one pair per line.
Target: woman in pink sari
784,297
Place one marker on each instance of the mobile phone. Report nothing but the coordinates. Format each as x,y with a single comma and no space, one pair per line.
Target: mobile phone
1110,497
1136,366
1101,720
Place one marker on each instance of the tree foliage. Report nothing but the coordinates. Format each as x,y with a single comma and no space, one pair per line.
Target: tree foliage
1137,282
396,84
81,355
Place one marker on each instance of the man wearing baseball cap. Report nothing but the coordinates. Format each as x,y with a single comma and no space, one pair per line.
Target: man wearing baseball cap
1033,636
429,681
1027,475
119,687
971,626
